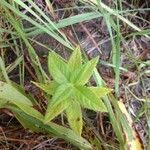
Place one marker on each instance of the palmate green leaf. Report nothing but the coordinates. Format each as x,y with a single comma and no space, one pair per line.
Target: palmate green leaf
83,74
75,60
74,116
50,129
58,68
48,88
88,99
11,94
59,102
100,91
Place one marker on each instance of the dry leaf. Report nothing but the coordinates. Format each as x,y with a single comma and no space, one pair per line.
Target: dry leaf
135,143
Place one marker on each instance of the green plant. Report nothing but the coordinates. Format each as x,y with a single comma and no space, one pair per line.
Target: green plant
14,98
69,93
22,38
69,90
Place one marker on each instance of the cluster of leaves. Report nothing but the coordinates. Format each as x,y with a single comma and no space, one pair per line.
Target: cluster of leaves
67,92
14,98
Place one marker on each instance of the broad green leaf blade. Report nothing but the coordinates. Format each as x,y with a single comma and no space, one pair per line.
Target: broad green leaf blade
11,94
2,103
88,99
75,60
70,136
25,93
30,111
58,68
51,129
100,91
74,116
25,120
59,102
55,109
23,107
83,74
48,88
17,99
